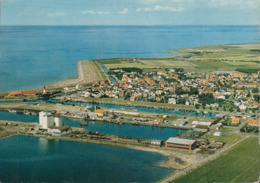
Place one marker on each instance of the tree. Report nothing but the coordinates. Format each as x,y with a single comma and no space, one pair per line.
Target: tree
197,106
238,109
206,98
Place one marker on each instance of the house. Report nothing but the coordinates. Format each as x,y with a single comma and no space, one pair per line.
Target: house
179,122
159,120
172,101
217,126
242,107
132,98
217,134
104,81
254,122
180,144
99,112
158,99
160,73
235,120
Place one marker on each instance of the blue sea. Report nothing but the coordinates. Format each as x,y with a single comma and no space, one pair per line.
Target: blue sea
31,56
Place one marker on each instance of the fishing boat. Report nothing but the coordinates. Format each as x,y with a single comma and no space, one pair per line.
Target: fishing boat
12,110
26,112
83,124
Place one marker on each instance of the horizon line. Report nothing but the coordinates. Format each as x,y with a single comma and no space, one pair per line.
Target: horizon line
143,25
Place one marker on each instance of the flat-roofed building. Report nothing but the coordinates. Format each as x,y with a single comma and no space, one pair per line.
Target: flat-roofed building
59,130
156,143
180,144
198,123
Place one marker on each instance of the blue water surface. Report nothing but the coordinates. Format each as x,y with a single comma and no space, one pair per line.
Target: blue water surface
31,56
33,159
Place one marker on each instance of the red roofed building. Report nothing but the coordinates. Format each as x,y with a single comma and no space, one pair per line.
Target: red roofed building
29,93
15,93
254,122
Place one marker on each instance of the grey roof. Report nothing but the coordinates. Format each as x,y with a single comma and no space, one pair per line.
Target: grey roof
156,141
174,140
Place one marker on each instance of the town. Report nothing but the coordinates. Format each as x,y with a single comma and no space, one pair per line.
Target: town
208,112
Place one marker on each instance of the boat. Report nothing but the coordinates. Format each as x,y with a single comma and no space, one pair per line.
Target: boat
26,112
12,110
34,113
83,124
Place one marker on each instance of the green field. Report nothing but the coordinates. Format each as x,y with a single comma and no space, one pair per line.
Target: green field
240,164
200,59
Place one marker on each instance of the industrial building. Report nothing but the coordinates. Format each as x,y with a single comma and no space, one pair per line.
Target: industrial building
180,144
59,130
47,119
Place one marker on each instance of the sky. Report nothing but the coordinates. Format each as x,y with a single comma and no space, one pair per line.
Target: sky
130,12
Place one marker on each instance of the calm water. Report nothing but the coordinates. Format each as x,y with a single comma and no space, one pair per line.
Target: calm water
31,159
33,56
144,109
146,132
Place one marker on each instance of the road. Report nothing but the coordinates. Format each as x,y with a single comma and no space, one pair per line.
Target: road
237,129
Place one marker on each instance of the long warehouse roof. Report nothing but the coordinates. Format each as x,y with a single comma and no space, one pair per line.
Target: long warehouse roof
174,140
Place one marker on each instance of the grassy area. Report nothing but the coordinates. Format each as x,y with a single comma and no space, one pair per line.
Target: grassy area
121,101
227,137
240,164
4,133
200,59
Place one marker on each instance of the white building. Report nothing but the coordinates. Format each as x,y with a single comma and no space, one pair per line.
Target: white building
46,120
57,121
156,142
195,123
242,107
172,101
217,134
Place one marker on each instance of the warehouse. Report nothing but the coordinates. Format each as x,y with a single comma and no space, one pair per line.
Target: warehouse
180,144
